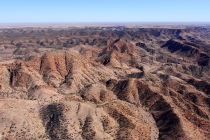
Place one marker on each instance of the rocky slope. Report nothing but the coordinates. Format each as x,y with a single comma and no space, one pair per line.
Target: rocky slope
105,83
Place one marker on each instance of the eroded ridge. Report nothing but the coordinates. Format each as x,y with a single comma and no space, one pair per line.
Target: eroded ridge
105,83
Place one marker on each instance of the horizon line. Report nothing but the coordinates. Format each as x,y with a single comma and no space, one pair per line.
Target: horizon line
39,24
112,22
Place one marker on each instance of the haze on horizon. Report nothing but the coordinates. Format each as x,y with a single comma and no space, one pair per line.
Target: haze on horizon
92,11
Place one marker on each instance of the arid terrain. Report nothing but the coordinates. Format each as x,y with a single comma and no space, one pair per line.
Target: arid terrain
110,83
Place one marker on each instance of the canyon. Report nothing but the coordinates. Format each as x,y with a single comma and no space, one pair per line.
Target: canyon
107,82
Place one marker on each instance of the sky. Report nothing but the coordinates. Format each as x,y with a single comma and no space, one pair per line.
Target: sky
74,11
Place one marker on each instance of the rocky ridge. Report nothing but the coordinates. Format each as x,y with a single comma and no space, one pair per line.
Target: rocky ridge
110,83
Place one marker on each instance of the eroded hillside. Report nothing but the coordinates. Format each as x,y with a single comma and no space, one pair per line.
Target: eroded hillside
105,83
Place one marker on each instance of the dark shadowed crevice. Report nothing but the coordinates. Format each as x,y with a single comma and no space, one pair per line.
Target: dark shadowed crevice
53,121
88,133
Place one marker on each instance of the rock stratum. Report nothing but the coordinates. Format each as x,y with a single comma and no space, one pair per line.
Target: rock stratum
110,83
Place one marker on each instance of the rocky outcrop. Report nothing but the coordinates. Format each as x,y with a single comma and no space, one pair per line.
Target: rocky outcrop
184,49
143,46
120,45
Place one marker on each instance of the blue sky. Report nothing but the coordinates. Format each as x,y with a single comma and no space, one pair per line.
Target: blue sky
43,11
